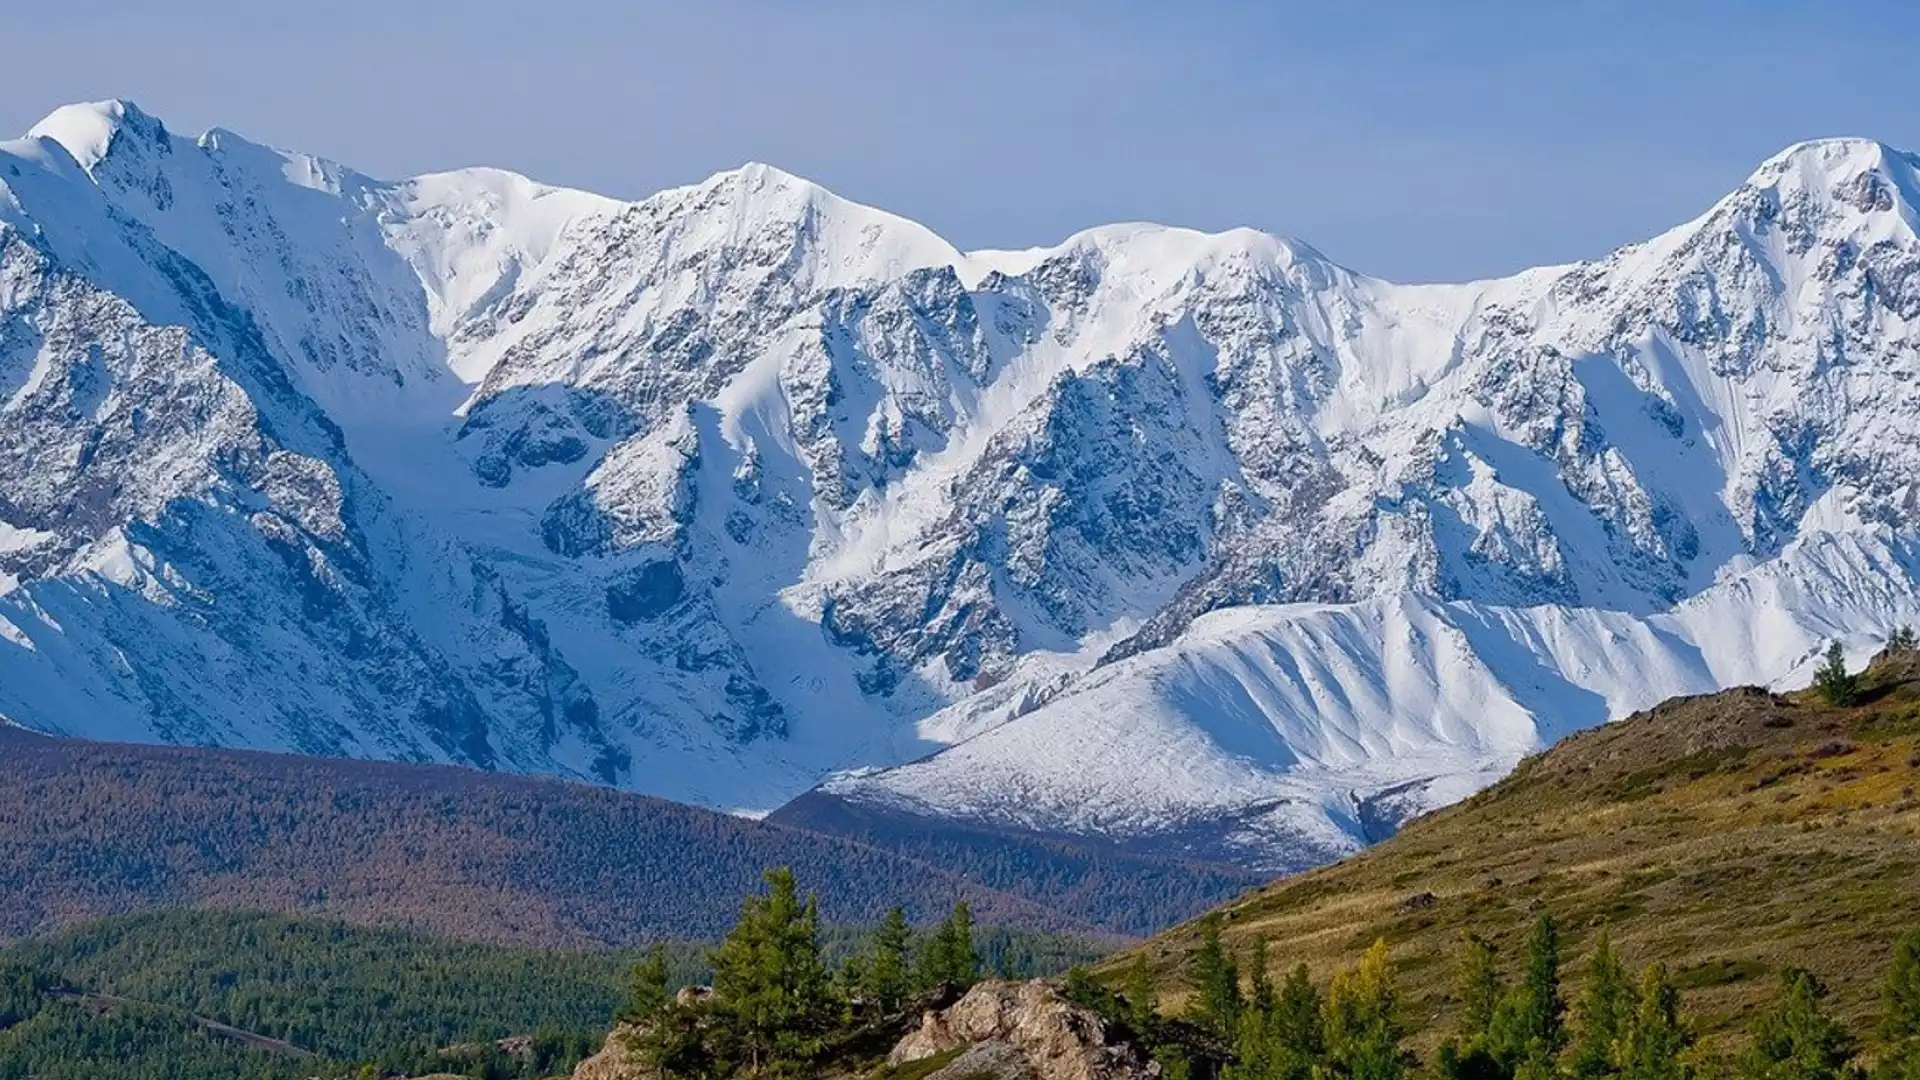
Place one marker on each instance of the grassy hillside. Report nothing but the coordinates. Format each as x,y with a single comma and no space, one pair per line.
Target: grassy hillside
95,829
1726,835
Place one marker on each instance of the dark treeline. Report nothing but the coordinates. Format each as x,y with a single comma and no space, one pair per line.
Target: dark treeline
1519,1025
393,1001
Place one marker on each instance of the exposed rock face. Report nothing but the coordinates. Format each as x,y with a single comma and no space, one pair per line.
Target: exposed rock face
614,1061
1023,1030
717,493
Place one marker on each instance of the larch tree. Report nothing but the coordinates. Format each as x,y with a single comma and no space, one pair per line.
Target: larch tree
1605,1012
769,981
1216,1002
1654,1037
1798,1039
1362,1017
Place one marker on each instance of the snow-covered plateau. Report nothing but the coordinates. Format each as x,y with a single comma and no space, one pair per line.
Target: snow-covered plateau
1191,540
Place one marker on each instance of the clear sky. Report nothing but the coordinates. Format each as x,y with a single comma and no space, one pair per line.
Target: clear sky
1437,140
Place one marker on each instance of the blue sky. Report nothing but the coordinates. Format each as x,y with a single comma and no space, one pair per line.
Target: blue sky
1412,140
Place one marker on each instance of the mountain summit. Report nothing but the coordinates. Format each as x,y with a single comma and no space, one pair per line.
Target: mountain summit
1187,541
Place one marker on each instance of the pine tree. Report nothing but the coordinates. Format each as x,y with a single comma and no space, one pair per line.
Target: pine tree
647,995
1902,638
1260,984
1363,1023
1798,1039
1298,1028
1654,1035
884,980
769,981
1217,1002
947,957
1529,1028
850,984
670,1039
1545,1014
1143,1005
1606,1011
1832,680
962,960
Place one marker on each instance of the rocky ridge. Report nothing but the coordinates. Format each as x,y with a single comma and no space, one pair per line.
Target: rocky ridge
1201,542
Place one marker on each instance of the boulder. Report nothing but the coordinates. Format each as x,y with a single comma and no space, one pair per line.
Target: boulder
1022,1031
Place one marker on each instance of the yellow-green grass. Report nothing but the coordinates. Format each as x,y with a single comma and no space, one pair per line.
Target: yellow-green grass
1726,836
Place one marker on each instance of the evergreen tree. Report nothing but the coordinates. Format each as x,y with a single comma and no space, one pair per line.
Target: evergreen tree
1900,1015
1832,680
850,985
1143,1005
768,979
884,979
1363,1023
1298,1028
1902,638
947,957
647,995
1900,995
1606,1011
1260,999
1653,1035
667,1038
1545,1011
1479,986
1528,1030
963,960
1216,1002
1253,1041
1468,1055
1798,1039
1252,1048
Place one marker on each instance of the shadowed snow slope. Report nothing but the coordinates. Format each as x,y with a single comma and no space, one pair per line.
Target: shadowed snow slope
1186,540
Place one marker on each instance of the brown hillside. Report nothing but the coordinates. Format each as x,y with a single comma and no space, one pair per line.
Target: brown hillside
1726,835
92,829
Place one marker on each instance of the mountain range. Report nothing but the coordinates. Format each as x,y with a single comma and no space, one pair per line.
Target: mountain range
1188,542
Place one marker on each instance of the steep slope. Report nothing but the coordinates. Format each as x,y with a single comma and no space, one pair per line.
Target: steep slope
719,493
1725,835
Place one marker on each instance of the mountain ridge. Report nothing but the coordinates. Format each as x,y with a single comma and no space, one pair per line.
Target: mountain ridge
722,492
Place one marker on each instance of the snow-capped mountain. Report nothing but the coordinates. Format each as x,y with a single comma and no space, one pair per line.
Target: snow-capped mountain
1199,540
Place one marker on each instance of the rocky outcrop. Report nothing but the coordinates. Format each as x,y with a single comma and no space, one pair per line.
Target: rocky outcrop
614,1061
1022,1030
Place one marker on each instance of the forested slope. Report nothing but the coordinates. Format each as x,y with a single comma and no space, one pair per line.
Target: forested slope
91,829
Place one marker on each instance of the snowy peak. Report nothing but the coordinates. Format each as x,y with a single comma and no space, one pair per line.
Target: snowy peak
835,242
1832,166
89,130
718,492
